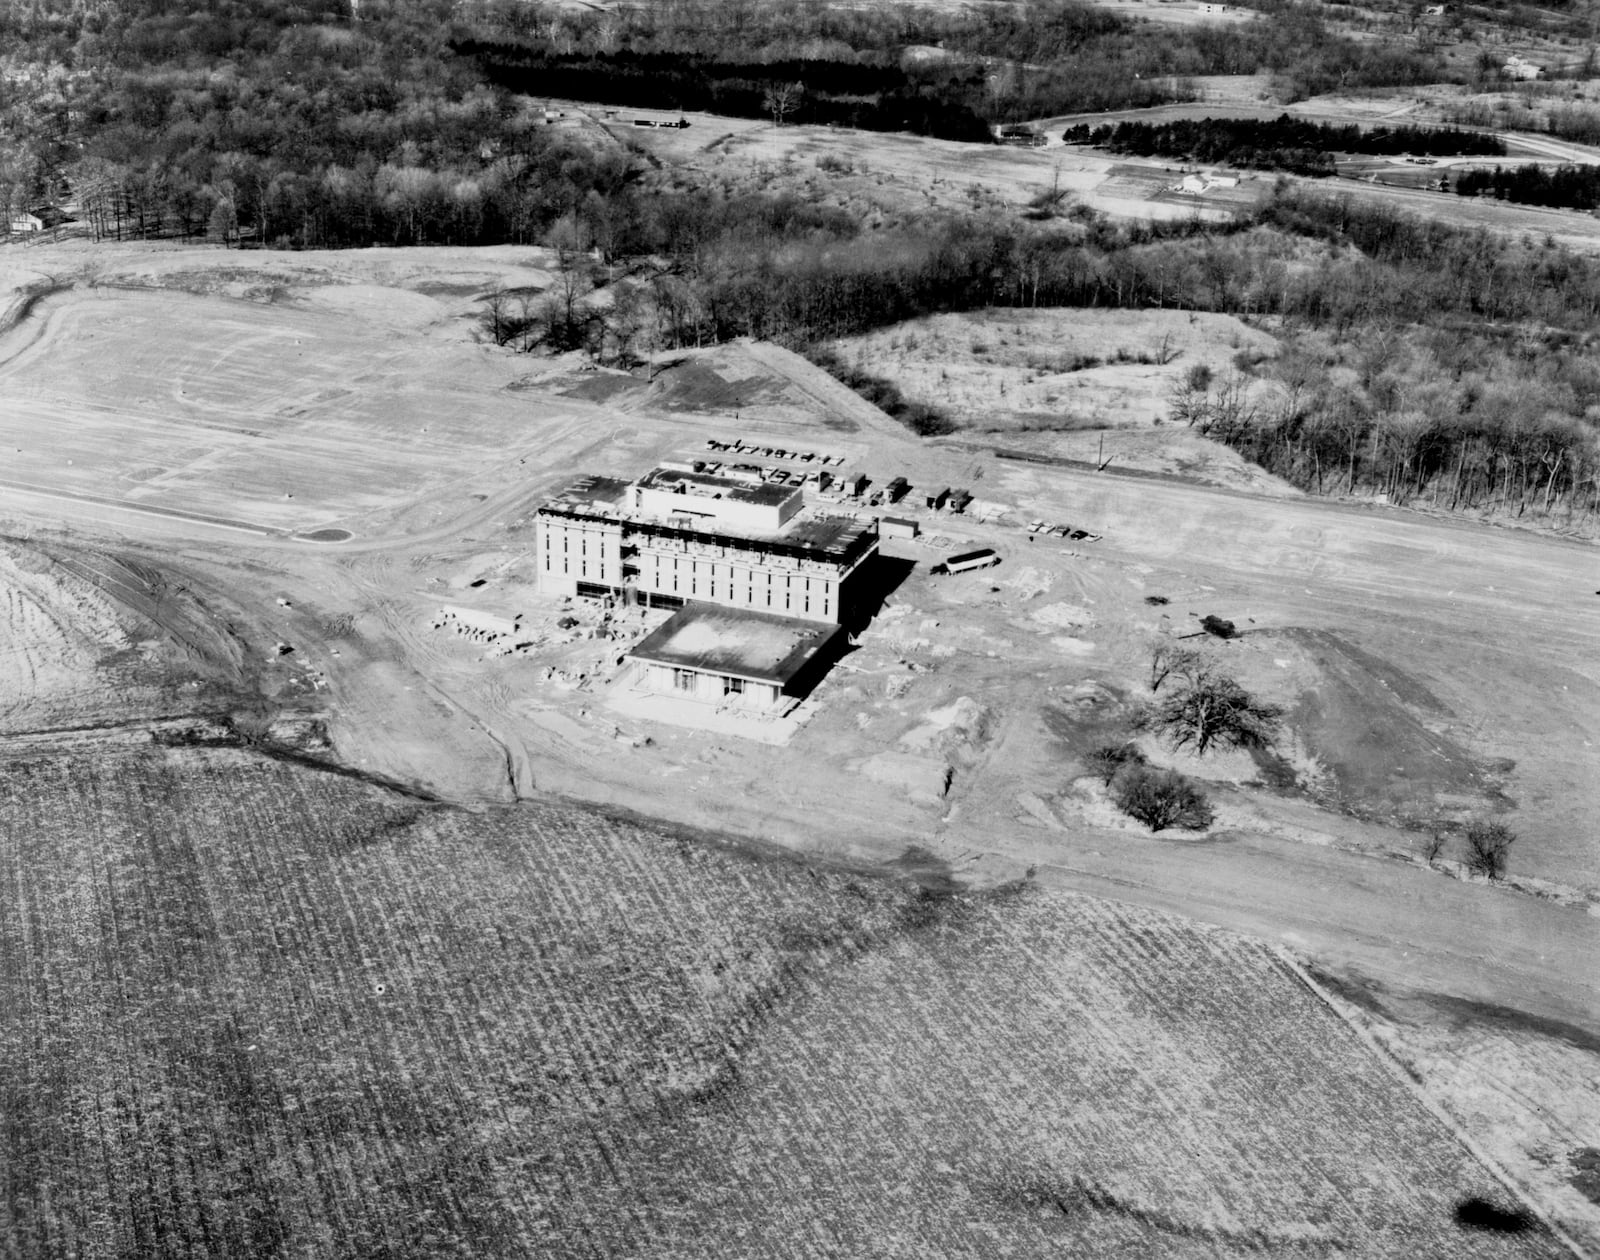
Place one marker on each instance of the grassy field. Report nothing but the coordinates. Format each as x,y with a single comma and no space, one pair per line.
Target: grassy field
251,1009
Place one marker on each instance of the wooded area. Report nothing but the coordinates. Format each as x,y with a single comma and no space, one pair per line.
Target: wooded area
1569,187
297,124
307,123
1283,143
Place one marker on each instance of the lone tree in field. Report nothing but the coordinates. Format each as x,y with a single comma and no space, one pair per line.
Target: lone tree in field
1212,710
1488,847
1161,798
782,99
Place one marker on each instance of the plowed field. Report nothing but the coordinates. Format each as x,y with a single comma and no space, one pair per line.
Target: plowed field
250,1009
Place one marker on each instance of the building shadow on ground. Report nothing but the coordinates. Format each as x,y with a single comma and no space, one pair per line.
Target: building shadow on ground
880,577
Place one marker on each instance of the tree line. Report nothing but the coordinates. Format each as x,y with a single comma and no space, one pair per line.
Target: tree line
1425,361
1282,143
1567,187
833,93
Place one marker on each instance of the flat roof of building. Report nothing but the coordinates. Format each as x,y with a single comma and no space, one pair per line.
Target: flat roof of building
711,486
594,491
755,646
810,533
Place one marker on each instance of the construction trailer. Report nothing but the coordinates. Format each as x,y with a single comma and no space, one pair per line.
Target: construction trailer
968,561
959,500
939,498
896,490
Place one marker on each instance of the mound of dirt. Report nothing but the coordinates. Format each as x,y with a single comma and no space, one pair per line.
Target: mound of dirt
925,780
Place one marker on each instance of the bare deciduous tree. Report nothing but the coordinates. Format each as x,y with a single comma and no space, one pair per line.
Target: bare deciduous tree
782,99
1213,710
1489,846
1167,659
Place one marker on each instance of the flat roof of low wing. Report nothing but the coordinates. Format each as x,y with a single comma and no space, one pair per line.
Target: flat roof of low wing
754,646
827,532
591,490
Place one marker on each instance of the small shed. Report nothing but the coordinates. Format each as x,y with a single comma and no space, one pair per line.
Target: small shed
959,499
939,498
896,489
856,486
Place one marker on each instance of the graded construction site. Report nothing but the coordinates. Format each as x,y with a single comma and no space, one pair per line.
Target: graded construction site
470,951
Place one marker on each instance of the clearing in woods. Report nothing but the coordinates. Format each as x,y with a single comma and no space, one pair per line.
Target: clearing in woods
250,1008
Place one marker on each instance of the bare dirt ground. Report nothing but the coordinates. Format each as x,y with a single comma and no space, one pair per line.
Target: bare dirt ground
900,173
1088,385
883,175
1433,669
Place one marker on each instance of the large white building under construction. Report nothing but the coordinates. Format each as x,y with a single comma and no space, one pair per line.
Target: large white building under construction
761,582
678,535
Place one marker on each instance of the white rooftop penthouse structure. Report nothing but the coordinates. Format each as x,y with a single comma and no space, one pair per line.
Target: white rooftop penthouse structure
680,534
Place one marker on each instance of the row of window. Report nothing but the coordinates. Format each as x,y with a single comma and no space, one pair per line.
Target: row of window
695,579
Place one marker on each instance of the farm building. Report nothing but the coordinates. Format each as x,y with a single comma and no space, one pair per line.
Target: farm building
728,656
678,535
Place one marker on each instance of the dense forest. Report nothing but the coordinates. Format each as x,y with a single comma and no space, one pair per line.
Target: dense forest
309,123
1567,187
1283,143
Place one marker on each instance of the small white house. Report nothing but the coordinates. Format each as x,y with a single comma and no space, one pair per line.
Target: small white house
23,223
1207,7
1518,68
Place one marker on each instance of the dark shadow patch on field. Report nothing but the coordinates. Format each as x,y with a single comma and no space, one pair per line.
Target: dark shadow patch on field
925,871
602,387
694,385
1405,688
1276,773
1094,714
1413,1007
1069,1199
1365,722
1585,1179
1480,1214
